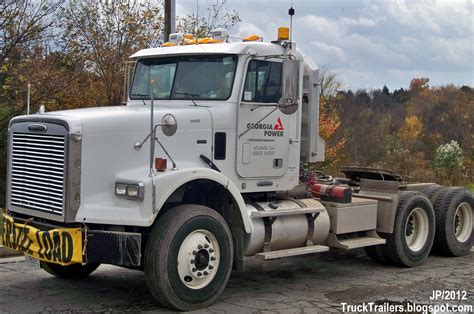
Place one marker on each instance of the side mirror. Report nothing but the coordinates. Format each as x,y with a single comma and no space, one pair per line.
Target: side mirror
288,102
169,125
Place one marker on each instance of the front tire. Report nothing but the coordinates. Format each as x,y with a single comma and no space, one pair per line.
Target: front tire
188,257
414,230
74,271
454,222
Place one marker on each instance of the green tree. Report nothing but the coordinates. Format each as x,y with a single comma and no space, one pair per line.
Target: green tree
448,162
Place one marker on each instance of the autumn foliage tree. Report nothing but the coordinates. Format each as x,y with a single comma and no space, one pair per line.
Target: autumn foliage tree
24,26
409,157
329,123
402,130
105,33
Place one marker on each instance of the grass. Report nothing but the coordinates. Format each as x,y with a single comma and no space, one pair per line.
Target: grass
470,186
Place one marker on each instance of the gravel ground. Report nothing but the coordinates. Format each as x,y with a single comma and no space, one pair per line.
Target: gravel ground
312,283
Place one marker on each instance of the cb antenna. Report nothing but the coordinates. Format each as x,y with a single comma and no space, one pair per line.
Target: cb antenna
291,12
197,20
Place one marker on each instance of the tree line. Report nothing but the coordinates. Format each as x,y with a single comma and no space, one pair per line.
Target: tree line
423,133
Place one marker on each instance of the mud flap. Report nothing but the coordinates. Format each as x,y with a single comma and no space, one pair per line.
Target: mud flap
111,247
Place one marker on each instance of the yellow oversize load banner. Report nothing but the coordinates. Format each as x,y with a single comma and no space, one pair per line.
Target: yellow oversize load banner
60,246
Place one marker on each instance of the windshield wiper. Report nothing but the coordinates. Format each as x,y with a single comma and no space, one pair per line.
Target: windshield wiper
188,94
140,95
192,98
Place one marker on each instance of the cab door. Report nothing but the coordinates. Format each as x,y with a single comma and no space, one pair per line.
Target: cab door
262,130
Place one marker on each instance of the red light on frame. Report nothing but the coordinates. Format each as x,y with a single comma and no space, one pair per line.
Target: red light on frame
160,164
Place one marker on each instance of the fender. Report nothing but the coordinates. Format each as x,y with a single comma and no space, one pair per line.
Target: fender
172,180
101,208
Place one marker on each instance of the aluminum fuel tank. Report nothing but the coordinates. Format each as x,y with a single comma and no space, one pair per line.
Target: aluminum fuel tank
288,231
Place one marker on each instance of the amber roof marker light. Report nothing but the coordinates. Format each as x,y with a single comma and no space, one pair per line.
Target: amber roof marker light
283,33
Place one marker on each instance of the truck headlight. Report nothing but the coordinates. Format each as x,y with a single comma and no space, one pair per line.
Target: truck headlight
132,190
120,189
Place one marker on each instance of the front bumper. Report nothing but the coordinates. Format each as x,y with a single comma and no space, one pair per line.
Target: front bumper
71,244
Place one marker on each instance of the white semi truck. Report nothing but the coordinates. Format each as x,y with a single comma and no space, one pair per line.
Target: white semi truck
201,169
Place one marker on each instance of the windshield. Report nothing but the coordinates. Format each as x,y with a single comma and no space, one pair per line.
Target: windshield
208,77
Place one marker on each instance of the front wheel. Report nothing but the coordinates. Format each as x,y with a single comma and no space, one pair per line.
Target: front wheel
74,271
188,257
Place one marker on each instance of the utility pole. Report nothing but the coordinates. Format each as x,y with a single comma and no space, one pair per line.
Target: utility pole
28,99
170,18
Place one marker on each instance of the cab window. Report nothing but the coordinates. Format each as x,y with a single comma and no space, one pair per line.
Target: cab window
263,82
203,77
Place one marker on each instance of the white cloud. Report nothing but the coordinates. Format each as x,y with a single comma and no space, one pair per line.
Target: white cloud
370,43
318,26
329,51
249,29
369,52
455,51
361,21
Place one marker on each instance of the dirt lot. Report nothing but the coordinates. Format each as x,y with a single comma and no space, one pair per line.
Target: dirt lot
315,283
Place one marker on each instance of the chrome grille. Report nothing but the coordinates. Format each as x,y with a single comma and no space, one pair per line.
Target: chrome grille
37,172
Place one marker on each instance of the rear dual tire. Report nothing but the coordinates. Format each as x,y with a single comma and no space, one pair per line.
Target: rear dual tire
454,222
433,191
413,235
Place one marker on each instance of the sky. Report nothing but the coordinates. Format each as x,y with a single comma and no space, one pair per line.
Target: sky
369,43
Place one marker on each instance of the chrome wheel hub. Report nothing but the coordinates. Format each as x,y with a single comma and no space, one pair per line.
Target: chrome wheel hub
463,222
416,229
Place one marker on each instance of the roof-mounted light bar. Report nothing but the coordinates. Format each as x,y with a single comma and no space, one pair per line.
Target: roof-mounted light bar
208,40
252,38
220,34
176,38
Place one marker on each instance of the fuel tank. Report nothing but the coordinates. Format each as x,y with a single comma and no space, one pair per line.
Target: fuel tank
289,231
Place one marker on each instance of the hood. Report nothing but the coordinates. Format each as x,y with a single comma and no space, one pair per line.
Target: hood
124,119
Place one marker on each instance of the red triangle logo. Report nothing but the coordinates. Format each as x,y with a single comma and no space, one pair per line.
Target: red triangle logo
278,126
